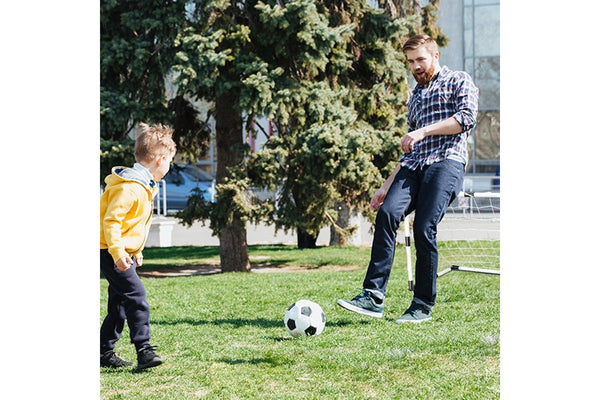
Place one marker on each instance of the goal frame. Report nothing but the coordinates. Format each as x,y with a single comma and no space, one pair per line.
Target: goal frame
453,267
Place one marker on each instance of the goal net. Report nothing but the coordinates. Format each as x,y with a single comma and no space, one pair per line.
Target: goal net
469,235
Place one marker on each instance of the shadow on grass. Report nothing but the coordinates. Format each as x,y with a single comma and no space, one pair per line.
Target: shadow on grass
271,361
345,322
234,322
120,370
133,370
181,252
174,271
163,262
187,252
242,322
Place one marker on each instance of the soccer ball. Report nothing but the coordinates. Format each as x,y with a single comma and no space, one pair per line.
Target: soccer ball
304,318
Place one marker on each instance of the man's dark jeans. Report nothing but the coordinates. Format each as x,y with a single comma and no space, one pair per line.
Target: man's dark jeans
427,191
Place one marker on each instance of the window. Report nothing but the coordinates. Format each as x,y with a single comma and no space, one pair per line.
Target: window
482,61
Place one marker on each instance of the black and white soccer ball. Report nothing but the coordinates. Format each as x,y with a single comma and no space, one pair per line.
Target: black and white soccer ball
304,318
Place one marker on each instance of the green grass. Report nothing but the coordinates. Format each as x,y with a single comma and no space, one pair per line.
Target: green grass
270,255
222,336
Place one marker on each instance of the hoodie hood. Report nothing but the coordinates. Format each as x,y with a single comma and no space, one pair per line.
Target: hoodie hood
138,173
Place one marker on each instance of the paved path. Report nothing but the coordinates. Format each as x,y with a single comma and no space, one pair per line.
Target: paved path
452,227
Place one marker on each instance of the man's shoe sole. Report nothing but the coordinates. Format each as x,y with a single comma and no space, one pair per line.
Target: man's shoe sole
351,307
412,321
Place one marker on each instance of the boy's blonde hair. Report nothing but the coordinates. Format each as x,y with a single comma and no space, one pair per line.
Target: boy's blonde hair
421,40
154,141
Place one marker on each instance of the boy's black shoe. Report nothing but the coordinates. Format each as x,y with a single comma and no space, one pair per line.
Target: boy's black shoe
110,359
147,358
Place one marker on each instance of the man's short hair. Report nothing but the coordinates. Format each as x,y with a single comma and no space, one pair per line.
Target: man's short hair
421,40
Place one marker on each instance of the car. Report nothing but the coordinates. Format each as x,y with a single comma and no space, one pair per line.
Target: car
180,181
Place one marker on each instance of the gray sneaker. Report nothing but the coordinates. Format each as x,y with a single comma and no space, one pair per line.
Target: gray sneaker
365,303
415,314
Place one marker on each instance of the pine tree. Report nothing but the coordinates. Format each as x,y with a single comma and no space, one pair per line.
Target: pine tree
136,57
338,106
328,74
213,55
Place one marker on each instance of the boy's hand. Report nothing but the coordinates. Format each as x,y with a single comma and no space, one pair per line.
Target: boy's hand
124,263
139,259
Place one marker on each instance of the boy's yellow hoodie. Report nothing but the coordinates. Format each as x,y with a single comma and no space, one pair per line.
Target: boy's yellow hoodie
126,212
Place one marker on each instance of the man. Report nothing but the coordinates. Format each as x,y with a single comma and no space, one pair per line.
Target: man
442,111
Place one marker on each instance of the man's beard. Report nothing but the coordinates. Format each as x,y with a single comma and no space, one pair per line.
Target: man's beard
423,80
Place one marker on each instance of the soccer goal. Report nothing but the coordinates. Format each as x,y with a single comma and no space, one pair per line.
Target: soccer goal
468,237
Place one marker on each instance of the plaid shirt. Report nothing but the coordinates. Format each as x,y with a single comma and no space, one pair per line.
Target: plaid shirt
449,94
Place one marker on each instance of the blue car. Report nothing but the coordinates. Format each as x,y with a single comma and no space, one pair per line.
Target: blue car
180,182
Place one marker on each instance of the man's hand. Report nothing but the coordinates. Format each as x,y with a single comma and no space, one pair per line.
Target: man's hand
381,193
378,197
410,139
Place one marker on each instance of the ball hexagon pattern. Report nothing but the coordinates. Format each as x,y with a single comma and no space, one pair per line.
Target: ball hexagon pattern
304,318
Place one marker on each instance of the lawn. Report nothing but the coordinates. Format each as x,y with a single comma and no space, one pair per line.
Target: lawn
221,336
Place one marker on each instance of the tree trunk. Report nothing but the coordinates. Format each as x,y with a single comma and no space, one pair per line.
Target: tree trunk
233,244
336,237
346,230
305,240
234,248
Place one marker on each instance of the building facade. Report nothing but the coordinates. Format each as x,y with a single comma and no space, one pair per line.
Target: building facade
473,27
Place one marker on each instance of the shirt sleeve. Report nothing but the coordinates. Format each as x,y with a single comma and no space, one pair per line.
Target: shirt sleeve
467,99
119,204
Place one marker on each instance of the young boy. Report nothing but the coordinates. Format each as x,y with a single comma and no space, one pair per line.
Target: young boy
125,215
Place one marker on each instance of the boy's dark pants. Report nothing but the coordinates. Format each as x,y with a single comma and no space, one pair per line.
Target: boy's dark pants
126,301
